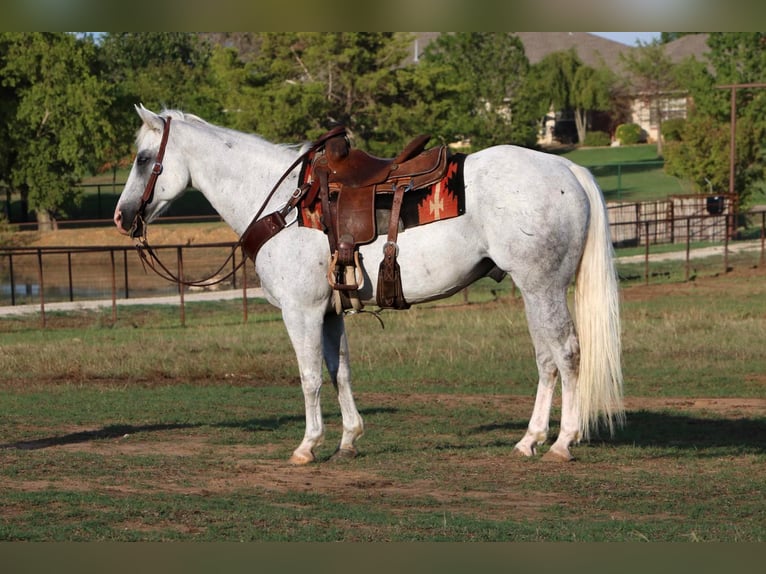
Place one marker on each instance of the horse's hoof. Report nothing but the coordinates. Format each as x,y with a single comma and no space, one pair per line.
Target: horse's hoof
300,458
518,453
523,451
343,454
556,455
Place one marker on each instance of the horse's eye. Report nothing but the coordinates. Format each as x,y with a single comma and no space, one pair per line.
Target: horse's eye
142,159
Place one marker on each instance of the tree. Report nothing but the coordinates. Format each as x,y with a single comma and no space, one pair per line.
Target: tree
158,69
293,86
702,155
488,72
653,77
55,118
592,92
568,84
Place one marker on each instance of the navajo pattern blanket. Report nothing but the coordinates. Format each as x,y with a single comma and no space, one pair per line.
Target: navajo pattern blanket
442,200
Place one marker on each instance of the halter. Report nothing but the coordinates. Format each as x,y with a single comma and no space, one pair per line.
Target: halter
138,227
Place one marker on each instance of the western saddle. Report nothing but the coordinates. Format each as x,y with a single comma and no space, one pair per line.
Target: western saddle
347,182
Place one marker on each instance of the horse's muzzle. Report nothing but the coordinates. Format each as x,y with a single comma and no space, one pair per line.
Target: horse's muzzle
118,222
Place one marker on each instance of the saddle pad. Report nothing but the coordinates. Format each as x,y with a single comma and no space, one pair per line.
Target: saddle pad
442,200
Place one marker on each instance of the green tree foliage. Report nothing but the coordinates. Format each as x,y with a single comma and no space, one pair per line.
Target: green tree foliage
702,155
653,77
491,101
53,112
293,86
158,69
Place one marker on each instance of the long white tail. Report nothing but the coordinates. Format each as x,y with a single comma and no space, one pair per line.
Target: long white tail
597,316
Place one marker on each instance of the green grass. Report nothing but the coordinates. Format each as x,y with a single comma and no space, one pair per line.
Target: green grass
613,155
630,173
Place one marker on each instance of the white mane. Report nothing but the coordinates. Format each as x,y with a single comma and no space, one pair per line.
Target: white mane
219,131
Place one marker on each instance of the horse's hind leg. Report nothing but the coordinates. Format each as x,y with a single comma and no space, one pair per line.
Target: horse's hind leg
337,360
537,430
557,351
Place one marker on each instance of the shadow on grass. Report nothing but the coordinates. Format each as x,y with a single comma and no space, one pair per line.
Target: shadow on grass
644,429
679,431
647,429
117,431
111,431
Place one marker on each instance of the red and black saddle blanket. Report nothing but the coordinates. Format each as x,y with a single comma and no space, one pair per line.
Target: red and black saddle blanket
444,199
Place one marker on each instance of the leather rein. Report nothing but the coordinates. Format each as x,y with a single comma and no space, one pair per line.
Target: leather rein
139,226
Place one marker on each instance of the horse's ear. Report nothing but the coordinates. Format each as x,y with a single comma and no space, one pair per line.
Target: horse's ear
151,119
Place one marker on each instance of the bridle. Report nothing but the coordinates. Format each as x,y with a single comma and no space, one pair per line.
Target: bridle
139,226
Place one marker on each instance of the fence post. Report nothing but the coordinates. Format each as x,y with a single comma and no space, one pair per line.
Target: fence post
234,269
726,246
244,292
114,287
646,255
673,223
42,285
688,246
125,270
179,253
763,237
69,272
13,280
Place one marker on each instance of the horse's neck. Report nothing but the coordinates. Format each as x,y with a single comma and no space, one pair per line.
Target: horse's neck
236,172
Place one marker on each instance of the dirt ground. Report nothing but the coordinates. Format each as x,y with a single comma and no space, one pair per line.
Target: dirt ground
253,471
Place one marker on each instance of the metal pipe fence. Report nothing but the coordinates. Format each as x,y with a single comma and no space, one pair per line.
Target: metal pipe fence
43,275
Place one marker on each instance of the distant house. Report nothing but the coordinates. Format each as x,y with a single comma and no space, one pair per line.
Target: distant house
596,51
674,104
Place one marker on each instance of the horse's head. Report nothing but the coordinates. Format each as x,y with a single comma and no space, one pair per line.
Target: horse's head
159,175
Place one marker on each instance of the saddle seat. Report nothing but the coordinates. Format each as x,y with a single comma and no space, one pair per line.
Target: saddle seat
357,168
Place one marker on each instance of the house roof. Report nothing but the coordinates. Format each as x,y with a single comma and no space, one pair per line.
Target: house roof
691,45
593,50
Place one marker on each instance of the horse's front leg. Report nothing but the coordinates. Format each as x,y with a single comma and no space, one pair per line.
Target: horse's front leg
305,331
337,359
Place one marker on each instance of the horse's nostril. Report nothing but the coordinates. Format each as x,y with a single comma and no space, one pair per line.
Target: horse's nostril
118,221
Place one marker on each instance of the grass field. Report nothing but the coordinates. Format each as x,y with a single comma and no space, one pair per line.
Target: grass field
145,430
630,173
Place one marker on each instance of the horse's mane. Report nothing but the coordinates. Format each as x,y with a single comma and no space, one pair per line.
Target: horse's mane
220,131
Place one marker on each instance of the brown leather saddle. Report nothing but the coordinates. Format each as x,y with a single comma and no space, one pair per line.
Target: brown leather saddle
348,182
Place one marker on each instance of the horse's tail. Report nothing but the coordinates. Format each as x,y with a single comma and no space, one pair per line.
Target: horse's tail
597,315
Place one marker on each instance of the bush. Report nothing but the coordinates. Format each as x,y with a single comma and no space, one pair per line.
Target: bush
672,130
597,139
629,134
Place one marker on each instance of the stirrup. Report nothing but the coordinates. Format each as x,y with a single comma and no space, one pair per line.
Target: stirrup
352,281
346,296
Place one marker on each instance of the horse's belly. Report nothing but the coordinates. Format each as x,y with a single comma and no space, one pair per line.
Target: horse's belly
436,260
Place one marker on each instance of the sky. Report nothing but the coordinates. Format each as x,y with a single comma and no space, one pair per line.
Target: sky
629,38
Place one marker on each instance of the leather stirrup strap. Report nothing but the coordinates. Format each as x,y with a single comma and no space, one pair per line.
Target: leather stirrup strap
329,223
396,207
389,293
